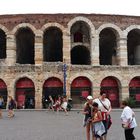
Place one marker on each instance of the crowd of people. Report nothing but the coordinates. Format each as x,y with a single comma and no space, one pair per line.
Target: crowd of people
98,119
60,103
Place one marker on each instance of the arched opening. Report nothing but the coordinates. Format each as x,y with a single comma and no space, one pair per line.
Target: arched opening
3,92
25,46
2,44
134,90
133,47
108,47
80,32
80,89
52,87
53,45
111,87
25,94
80,55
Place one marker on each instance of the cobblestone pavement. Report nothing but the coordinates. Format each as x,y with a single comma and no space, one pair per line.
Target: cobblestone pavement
43,125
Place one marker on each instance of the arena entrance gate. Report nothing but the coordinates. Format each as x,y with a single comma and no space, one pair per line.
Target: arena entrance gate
134,90
110,86
3,91
52,87
25,94
80,89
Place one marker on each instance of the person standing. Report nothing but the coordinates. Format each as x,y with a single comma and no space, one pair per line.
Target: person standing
128,121
104,106
64,104
87,111
97,124
11,106
1,106
51,102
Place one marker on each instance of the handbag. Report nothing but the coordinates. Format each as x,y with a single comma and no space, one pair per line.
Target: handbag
109,120
126,126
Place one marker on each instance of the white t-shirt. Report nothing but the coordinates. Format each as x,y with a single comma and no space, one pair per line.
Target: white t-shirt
106,103
128,114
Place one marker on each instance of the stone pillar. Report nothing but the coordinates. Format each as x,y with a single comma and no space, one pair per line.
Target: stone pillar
67,59
122,51
125,93
66,47
95,91
38,48
95,51
11,50
38,97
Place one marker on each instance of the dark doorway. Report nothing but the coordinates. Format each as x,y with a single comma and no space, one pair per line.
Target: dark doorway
25,46
53,45
110,86
2,44
133,47
25,94
80,89
3,92
80,32
52,87
134,90
107,47
80,55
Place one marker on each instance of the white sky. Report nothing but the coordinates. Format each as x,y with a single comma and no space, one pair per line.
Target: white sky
121,7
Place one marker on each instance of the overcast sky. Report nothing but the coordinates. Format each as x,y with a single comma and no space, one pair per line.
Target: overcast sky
121,7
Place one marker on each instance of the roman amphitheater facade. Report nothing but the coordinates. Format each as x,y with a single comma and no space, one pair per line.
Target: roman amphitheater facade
72,54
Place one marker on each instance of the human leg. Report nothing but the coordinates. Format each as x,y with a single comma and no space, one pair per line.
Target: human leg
88,131
129,134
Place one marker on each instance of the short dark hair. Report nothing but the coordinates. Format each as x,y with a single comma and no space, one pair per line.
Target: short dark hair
95,104
124,102
102,92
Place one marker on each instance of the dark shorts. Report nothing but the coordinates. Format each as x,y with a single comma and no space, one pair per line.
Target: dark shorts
1,107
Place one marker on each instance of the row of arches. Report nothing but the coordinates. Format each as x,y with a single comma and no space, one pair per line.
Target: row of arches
82,35
81,87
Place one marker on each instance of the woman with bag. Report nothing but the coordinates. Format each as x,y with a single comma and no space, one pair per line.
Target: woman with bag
87,111
97,124
104,106
128,121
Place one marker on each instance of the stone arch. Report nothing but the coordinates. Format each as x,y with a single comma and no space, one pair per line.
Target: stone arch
53,43
109,34
53,87
128,29
3,91
48,25
3,41
111,85
25,45
81,87
81,74
25,93
4,29
132,34
23,25
112,26
84,19
134,90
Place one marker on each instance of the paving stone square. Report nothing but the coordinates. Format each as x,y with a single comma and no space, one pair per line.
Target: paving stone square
45,125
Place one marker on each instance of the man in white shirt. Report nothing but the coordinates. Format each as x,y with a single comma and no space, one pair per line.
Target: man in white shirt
128,120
